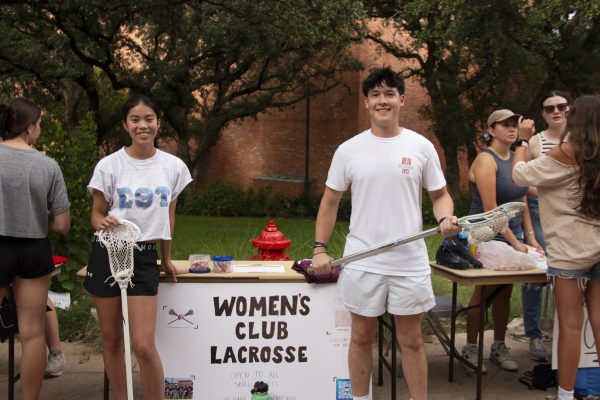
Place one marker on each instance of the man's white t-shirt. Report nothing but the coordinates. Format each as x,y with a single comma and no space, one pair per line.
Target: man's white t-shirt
141,190
386,176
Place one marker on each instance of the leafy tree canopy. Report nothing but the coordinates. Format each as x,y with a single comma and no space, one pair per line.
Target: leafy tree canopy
473,56
206,63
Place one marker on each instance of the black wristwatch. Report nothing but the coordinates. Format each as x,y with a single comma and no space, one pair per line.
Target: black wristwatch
522,142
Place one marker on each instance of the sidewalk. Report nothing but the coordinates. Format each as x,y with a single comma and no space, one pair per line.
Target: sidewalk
83,378
497,384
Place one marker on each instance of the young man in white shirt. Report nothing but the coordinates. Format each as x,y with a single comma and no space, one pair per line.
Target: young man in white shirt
387,167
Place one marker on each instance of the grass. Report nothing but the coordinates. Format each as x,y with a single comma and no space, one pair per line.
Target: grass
233,236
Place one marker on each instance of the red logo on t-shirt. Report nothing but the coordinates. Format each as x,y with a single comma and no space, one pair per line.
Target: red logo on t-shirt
406,165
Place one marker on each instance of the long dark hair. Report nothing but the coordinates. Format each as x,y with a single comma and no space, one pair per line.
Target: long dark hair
16,115
583,130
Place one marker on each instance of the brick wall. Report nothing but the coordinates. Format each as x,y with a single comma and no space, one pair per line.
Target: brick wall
274,142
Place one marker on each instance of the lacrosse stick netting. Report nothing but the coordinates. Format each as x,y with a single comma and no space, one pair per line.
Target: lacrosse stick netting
482,227
120,242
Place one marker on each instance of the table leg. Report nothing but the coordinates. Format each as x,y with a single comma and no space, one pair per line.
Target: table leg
380,352
394,360
452,333
382,362
482,311
106,387
11,367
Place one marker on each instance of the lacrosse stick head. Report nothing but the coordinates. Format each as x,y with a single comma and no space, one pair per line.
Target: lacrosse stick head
484,227
120,241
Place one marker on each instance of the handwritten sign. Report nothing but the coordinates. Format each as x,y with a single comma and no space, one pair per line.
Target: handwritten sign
217,339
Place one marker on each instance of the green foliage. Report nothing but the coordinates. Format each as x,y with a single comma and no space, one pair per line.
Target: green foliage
226,200
474,56
233,236
75,153
77,323
205,63
462,202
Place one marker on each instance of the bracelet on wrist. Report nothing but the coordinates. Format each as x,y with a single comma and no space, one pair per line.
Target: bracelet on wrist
522,143
316,245
320,252
530,233
442,220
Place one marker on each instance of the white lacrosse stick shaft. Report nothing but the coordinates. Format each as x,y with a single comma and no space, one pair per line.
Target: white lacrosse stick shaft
126,339
464,222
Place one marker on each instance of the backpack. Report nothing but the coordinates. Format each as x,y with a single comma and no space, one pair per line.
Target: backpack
541,378
8,319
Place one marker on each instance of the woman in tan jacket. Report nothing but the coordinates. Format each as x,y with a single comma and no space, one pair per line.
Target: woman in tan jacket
568,183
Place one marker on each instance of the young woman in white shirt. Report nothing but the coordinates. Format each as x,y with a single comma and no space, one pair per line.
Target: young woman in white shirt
139,183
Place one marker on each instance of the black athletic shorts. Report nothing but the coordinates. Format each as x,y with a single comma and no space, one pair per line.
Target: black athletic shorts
99,281
25,258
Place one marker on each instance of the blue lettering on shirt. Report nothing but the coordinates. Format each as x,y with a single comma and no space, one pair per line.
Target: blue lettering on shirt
163,192
125,197
143,197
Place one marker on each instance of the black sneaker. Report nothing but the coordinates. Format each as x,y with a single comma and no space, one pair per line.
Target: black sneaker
459,246
445,256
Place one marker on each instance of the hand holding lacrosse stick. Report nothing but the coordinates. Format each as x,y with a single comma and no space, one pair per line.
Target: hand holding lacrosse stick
107,222
449,226
322,262
482,227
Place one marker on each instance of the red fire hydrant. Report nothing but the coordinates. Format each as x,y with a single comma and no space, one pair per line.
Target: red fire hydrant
270,244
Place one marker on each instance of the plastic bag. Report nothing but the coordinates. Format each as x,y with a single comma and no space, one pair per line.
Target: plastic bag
501,256
303,267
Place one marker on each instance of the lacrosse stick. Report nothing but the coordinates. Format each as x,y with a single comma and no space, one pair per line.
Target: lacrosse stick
482,227
120,240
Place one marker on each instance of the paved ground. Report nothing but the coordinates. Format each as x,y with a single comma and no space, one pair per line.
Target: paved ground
83,377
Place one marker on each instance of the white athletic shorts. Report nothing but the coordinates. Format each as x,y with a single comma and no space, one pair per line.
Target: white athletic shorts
370,294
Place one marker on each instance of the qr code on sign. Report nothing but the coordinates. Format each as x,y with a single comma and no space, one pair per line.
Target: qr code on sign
343,389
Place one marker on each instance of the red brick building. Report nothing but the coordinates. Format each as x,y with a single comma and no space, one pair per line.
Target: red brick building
270,150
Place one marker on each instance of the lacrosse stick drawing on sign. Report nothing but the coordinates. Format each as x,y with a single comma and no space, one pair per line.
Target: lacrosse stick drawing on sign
181,317
120,242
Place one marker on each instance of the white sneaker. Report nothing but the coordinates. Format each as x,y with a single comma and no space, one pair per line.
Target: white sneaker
56,363
469,353
537,351
500,355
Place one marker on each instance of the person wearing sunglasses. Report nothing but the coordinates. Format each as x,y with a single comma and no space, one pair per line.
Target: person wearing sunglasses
569,189
554,108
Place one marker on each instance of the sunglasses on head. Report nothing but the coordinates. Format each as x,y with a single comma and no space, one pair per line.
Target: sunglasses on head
550,109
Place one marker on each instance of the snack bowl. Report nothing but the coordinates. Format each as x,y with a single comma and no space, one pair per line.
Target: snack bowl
199,263
223,263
